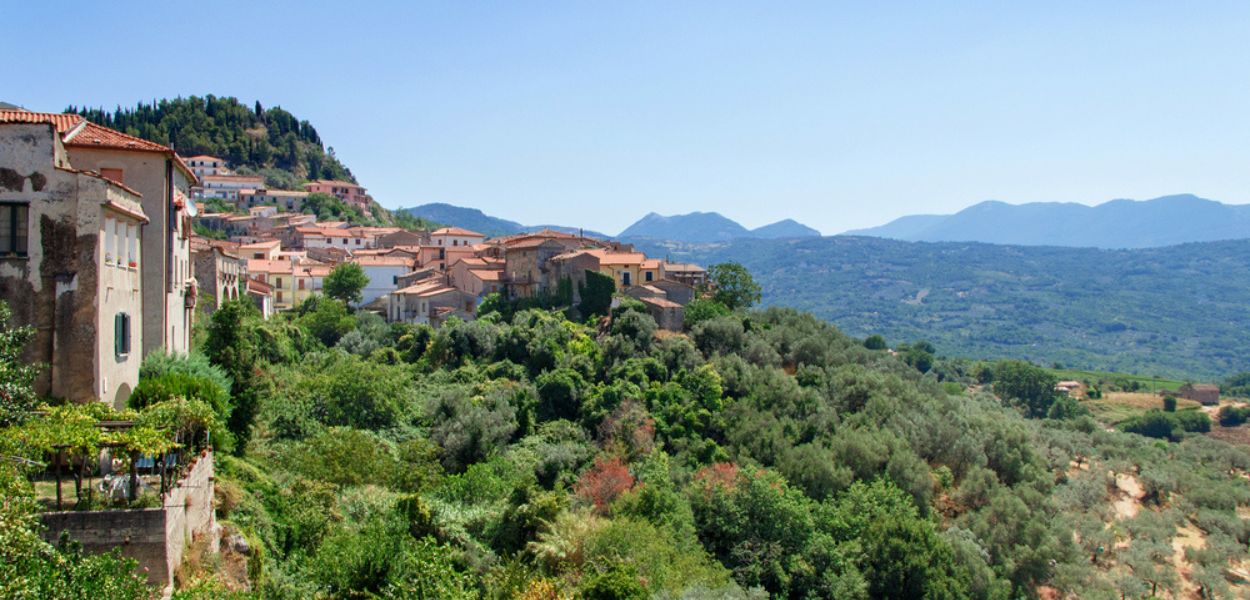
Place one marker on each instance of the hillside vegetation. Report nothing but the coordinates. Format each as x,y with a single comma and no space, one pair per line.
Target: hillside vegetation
271,142
761,454
1178,311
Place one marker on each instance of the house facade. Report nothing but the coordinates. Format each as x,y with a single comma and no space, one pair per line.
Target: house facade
227,187
70,246
164,182
383,273
449,237
203,165
218,272
351,194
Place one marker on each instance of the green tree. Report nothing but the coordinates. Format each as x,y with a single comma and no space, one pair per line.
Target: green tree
733,286
596,294
703,309
1028,385
875,342
230,346
17,394
345,282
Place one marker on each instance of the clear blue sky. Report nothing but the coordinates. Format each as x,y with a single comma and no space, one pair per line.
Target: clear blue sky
595,113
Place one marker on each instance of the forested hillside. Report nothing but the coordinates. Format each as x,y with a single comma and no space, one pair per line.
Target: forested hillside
1179,310
761,454
253,139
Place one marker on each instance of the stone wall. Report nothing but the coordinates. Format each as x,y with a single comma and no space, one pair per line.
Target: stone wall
155,537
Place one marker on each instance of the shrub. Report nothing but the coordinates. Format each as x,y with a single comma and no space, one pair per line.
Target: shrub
195,364
1232,416
604,482
1169,404
180,385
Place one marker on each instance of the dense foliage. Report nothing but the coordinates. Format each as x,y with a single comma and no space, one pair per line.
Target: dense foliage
760,454
1176,311
270,142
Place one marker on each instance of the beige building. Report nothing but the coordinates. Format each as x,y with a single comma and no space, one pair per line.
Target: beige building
203,165
164,182
450,237
70,263
428,303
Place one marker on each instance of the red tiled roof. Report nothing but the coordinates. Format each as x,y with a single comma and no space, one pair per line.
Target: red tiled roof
258,286
682,267
424,289
260,181
205,157
382,261
77,131
335,183
456,231
487,274
660,302
62,122
95,136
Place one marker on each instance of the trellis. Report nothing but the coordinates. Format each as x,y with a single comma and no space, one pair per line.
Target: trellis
171,465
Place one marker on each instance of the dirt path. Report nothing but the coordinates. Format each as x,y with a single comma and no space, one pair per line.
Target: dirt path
1129,503
1187,536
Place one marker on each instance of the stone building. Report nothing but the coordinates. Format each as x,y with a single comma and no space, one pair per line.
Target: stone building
70,252
218,271
1205,393
164,183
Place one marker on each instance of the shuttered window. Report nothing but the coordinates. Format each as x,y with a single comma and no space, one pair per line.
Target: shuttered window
121,334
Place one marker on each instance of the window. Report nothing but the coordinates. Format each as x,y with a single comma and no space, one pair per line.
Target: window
650,275
301,284
13,226
121,335
279,295
277,281
112,174
394,279
625,278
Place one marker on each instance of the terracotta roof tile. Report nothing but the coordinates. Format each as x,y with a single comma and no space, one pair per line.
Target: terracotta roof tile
382,261
96,136
62,122
456,231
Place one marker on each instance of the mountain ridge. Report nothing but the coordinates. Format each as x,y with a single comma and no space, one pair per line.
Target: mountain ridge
1120,223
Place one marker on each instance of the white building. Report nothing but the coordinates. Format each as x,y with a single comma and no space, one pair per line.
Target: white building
227,187
204,165
449,237
383,273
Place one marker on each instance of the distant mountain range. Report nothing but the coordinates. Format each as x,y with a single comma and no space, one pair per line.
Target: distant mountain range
1164,221
697,227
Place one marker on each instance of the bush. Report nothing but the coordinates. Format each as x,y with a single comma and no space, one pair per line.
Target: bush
1155,424
179,385
1232,416
195,364
1169,404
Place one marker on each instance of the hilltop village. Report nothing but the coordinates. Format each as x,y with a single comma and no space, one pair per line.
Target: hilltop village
111,245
